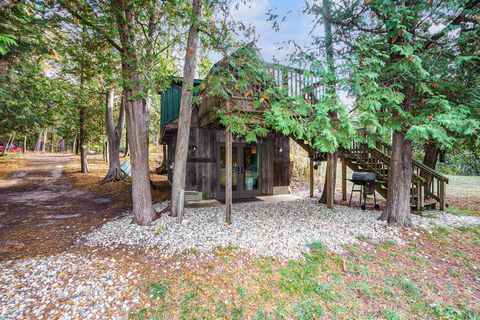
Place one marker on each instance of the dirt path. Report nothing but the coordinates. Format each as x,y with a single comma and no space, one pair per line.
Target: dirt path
41,212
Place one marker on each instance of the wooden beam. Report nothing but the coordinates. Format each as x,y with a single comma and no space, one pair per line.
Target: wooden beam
311,177
344,179
228,176
442,195
420,196
330,182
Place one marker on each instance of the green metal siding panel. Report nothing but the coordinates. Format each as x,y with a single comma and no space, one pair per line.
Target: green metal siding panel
171,102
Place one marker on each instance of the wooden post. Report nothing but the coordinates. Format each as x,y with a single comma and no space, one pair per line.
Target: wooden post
420,196
330,182
228,177
180,205
311,177
344,179
442,195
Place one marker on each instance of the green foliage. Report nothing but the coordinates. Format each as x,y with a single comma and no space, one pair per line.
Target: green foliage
5,42
403,82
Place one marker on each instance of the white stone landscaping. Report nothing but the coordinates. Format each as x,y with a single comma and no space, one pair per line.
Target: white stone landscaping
279,229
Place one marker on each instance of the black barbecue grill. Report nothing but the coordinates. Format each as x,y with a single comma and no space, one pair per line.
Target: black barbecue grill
366,181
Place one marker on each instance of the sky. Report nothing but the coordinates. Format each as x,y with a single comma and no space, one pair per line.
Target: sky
295,27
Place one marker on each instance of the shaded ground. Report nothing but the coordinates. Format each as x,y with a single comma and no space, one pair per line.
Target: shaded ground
42,212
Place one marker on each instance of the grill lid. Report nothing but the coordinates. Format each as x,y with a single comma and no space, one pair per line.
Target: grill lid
363,177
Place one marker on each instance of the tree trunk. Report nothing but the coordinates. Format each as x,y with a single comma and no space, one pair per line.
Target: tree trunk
163,166
181,148
24,144
83,133
74,145
155,139
430,160
127,148
38,144
114,137
323,198
7,147
44,145
138,137
62,145
331,87
52,139
137,113
397,210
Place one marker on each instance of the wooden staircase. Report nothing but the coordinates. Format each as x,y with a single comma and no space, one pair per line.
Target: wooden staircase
428,186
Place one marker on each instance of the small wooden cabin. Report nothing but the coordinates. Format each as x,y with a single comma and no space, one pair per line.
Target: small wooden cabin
261,168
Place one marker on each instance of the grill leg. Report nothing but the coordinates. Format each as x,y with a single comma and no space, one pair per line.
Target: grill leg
361,195
351,194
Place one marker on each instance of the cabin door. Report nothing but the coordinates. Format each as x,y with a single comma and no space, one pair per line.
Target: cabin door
245,171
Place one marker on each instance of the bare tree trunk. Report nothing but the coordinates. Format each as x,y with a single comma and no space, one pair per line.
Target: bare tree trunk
127,148
83,133
44,145
323,198
62,145
114,137
74,145
52,143
137,113
181,148
430,160
7,147
138,137
24,144
155,139
163,166
397,210
38,144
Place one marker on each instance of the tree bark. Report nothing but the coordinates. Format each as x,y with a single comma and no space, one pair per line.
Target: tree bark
127,148
62,145
83,132
74,144
397,210
44,145
163,166
137,113
430,160
114,137
7,147
24,144
38,144
181,148
52,139
331,88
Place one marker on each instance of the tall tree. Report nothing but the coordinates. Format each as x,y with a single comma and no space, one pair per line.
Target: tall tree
114,137
136,31
181,147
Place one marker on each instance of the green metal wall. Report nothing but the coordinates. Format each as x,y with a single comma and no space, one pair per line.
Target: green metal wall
171,102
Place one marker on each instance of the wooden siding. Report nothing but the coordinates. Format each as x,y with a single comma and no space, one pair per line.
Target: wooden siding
202,163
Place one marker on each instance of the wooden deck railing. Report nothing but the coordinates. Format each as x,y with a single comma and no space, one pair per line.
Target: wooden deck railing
377,160
434,183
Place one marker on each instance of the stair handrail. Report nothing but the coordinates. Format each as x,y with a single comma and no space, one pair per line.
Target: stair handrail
416,163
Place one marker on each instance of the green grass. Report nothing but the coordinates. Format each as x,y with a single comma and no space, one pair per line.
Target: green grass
388,281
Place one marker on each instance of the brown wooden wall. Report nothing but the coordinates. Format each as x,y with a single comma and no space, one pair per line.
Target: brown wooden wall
202,172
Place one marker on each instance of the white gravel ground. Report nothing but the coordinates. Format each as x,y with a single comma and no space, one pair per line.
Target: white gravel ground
280,229
75,286
64,286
